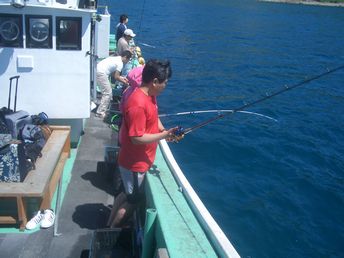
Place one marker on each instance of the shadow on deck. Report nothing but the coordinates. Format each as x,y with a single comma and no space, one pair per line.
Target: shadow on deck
86,205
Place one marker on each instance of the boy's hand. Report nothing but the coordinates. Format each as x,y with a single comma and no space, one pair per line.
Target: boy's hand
175,134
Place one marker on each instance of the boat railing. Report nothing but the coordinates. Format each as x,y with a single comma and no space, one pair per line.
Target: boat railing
219,240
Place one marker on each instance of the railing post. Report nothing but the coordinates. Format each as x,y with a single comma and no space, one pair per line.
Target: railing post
148,239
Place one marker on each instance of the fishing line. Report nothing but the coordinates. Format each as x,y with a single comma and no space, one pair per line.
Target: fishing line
180,132
142,11
139,30
215,111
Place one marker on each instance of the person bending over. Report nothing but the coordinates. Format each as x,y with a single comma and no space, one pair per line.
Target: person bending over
111,65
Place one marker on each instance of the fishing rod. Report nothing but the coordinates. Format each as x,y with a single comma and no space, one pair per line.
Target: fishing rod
215,111
146,45
180,132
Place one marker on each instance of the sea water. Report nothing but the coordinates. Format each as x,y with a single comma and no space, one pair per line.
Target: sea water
275,188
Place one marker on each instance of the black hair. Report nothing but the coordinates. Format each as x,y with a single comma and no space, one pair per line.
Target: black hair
122,18
127,54
154,68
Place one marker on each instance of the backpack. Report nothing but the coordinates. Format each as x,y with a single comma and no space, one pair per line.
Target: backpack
34,141
42,121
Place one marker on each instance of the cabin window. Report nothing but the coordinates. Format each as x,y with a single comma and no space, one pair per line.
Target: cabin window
68,33
11,30
38,31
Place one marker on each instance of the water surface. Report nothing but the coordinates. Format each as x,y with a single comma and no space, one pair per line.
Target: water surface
275,188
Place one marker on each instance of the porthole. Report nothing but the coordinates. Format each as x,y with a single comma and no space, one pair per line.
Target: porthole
11,31
39,31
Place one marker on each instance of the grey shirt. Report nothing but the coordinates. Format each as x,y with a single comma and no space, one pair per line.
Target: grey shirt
122,45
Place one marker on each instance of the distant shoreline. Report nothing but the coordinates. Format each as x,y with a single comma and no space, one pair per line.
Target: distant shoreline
305,2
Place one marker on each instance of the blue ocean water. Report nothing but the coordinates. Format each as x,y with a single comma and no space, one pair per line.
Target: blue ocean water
275,188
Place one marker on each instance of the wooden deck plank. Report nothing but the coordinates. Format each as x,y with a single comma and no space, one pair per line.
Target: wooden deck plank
8,220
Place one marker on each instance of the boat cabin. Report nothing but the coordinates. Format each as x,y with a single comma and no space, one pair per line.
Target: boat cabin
51,45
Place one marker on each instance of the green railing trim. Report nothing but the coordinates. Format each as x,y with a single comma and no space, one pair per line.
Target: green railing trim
148,250
180,230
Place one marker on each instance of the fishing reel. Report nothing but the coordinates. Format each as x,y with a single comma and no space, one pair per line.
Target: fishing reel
178,134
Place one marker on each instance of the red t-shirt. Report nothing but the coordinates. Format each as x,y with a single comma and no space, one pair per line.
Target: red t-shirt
140,116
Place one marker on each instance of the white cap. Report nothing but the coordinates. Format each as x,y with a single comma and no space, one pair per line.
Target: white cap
129,32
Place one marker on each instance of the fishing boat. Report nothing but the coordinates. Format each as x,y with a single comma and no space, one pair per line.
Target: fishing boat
53,46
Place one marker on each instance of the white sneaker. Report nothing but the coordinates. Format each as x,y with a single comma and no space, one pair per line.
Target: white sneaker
48,218
35,221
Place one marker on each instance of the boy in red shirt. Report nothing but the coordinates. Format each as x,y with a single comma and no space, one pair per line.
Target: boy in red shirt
141,131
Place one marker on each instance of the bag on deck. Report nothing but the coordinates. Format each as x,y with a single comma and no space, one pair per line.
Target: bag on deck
9,163
9,159
15,120
3,126
34,141
42,121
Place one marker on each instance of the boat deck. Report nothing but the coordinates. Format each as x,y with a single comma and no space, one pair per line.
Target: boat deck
84,208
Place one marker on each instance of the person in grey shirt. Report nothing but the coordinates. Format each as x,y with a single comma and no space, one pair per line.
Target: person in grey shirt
123,42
